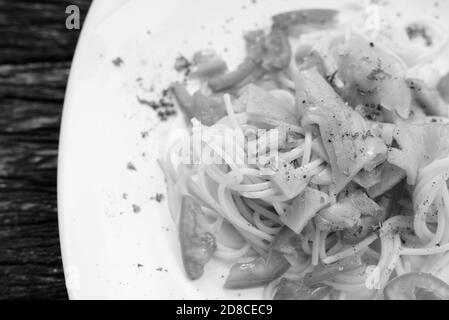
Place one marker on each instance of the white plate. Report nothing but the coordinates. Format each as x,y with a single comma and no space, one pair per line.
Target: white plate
109,251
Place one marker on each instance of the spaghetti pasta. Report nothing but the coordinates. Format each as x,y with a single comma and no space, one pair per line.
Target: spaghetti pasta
286,181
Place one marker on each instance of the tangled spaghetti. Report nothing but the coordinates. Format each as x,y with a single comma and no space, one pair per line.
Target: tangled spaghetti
334,180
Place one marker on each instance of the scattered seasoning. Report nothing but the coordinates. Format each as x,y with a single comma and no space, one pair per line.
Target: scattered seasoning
183,65
414,86
125,196
144,134
118,62
367,134
153,104
371,44
131,167
159,269
136,208
164,107
139,265
370,111
158,197
355,135
379,74
418,31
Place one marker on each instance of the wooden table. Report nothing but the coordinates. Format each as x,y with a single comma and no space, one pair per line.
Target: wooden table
36,50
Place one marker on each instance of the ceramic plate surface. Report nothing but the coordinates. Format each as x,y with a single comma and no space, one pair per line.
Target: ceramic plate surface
117,241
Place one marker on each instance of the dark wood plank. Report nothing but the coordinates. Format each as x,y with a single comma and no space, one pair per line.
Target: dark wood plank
34,81
34,30
35,55
29,118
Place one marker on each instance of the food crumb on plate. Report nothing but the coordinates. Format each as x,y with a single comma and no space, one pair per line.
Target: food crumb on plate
118,62
144,134
163,106
158,197
131,166
182,64
136,208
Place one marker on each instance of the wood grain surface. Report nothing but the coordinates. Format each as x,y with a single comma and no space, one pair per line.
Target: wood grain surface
36,51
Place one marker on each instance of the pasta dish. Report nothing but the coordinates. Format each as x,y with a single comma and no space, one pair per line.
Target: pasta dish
318,168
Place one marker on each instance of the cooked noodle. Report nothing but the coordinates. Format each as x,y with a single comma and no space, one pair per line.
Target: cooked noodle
316,180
